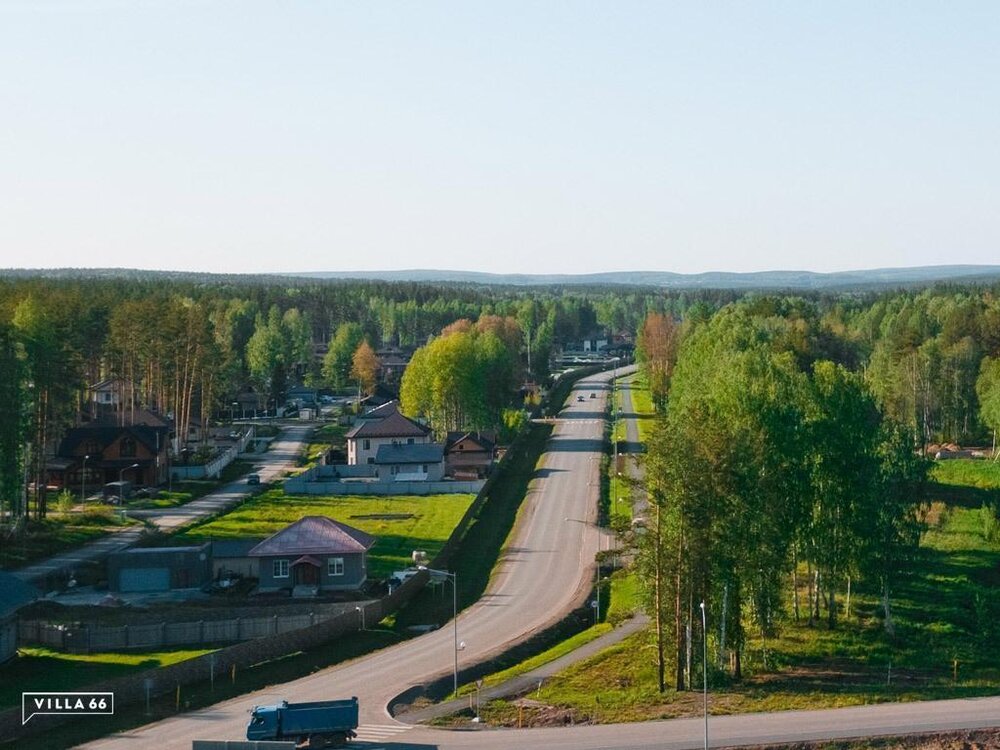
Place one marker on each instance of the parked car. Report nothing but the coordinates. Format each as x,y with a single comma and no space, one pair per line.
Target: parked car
253,478
579,398
593,395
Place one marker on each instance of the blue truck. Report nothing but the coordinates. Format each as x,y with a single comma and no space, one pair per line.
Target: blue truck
312,725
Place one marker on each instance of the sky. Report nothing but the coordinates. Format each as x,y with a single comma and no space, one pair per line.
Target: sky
509,137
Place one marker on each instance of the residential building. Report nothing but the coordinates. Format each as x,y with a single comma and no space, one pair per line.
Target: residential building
97,453
382,426
315,553
470,454
416,462
147,569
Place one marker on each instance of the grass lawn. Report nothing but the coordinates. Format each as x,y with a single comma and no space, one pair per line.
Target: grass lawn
967,472
58,533
401,523
947,617
642,404
42,669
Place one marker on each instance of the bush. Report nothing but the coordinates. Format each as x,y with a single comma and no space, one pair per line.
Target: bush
990,523
64,502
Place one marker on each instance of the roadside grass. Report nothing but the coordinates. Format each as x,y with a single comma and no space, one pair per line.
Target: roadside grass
642,404
947,617
57,533
560,649
400,523
201,694
44,669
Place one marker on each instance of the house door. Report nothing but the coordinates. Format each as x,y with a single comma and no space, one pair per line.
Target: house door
306,575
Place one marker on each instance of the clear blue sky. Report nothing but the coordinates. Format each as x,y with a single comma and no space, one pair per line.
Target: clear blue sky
505,136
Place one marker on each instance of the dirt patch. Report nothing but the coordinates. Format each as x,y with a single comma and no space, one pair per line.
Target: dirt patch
980,739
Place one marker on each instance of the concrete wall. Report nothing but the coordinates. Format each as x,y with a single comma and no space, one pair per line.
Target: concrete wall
302,485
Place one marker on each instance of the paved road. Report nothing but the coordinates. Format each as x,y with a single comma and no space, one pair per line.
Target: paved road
281,456
545,572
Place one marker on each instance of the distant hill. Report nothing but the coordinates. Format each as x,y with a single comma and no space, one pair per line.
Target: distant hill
879,278
710,280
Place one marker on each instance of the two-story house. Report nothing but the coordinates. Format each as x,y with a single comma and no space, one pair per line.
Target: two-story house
382,426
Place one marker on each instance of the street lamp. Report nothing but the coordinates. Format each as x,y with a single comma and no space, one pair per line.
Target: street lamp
362,613
83,481
454,605
232,412
121,476
704,643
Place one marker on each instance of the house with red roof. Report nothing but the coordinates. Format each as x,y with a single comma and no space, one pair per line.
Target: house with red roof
313,554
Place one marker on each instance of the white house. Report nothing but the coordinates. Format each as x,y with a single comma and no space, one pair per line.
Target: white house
383,426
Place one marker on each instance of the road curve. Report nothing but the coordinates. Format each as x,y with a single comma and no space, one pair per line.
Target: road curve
545,572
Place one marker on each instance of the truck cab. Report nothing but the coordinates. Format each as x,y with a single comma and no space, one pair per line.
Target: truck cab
263,723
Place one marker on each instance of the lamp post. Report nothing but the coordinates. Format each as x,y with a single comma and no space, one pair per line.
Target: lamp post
454,606
361,612
121,476
232,412
704,643
83,481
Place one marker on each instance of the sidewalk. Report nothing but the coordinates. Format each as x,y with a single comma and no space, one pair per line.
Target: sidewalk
281,456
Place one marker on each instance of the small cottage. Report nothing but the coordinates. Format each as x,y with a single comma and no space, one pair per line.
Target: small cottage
313,554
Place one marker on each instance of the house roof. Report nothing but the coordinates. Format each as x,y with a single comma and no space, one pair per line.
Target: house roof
105,435
382,411
314,535
418,453
393,425
14,594
486,440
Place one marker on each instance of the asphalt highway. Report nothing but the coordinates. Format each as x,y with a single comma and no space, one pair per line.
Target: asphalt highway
545,572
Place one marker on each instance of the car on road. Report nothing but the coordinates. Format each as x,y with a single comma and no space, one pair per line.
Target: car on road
593,395
253,478
579,398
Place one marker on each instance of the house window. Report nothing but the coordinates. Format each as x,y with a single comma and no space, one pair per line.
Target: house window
335,566
279,569
367,444
371,459
423,468
128,447
409,441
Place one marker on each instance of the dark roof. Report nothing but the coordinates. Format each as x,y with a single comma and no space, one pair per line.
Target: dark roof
381,412
486,439
394,425
315,535
14,594
233,547
418,453
105,435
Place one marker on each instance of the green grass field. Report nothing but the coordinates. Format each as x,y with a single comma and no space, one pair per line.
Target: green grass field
965,472
321,440
42,669
401,523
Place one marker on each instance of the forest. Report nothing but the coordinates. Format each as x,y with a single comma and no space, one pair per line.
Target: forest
790,452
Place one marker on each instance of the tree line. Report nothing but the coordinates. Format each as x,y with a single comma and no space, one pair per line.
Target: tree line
773,451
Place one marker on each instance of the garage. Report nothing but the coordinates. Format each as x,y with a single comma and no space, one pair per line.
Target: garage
144,579
144,569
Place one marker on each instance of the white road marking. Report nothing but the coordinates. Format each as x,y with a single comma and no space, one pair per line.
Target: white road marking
379,732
